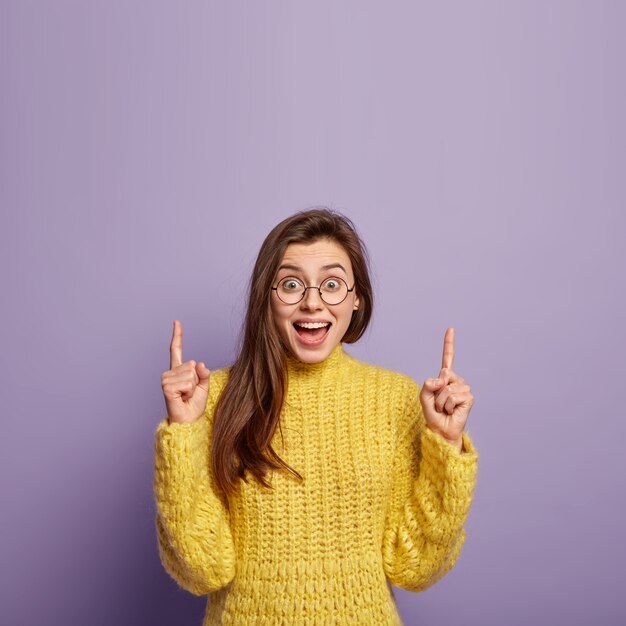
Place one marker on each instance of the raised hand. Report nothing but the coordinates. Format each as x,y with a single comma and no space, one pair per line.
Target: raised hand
185,385
447,400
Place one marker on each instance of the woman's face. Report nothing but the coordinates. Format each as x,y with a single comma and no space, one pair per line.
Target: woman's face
313,264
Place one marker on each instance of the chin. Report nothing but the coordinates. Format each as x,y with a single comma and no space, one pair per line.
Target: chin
310,356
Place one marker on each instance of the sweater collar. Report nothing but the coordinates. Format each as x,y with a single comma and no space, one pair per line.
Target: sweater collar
331,363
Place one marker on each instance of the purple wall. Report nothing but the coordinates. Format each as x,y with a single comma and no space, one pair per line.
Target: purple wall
145,151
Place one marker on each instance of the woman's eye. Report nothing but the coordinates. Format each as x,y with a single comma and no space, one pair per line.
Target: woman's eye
291,284
332,284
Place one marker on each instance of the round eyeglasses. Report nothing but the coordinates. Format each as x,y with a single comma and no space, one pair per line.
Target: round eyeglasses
332,291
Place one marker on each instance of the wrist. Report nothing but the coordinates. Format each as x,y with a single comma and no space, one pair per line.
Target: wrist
457,443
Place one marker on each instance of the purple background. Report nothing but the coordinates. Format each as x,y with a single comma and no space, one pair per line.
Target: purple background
146,149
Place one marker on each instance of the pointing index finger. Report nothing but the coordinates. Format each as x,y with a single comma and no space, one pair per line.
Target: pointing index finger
448,349
176,347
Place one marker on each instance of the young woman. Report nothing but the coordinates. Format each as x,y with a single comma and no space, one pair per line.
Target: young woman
367,480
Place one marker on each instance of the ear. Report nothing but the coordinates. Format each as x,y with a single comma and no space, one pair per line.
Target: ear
357,303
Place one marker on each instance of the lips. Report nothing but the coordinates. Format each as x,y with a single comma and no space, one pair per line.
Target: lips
311,333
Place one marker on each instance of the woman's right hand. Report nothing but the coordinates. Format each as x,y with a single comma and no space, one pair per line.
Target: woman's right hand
185,385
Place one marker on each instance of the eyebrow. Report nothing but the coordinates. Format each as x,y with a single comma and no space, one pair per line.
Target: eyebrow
297,268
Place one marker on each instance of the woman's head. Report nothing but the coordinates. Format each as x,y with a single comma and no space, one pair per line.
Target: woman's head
313,248
310,247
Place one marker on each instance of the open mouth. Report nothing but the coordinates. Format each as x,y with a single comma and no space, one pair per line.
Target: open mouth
312,332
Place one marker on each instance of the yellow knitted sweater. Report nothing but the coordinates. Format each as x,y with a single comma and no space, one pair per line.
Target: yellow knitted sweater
383,500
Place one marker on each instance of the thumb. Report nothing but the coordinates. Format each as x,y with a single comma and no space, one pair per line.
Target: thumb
203,373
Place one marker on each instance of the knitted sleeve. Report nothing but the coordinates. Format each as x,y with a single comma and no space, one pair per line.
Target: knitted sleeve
192,520
432,490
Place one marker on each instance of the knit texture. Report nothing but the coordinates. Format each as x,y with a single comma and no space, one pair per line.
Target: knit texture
384,500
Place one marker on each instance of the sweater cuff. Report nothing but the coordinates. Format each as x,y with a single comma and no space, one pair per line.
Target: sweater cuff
180,437
452,471
180,452
448,452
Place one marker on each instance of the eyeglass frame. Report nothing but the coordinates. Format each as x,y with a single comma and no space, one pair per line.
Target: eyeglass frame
319,289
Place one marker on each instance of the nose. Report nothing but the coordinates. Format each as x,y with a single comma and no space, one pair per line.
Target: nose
312,299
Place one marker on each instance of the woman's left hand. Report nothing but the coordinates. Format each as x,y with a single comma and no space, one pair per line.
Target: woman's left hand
446,400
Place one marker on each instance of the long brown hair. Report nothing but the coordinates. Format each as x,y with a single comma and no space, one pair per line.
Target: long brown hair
248,409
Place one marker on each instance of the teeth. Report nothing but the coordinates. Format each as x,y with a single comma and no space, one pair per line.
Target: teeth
313,324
